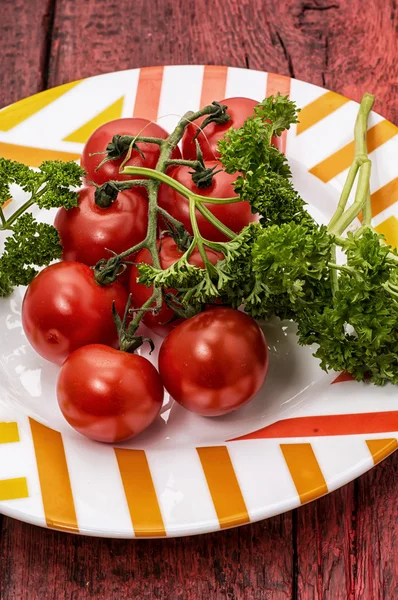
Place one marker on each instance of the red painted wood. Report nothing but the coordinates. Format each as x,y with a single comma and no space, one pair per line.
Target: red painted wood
346,542
342,546
346,45
23,31
326,547
250,562
377,532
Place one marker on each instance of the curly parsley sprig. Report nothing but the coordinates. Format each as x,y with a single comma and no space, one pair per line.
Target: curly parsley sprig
31,244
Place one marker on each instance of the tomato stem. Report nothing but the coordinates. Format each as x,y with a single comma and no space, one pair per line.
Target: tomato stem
128,341
107,271
180,162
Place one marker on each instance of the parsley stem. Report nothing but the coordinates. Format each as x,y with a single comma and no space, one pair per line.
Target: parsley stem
345,268
367,210
360,161
19,212
214,221
360,199
334,276
2,218
197,238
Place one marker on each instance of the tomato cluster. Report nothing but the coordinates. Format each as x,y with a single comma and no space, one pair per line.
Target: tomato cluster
212,363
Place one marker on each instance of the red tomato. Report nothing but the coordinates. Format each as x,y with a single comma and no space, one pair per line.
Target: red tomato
214,362
101,137
64,308
168,255
108,395
89,232
235,215
239,110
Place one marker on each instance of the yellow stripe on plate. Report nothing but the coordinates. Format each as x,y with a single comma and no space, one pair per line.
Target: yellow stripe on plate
389,228
341,160
319,109
223,485
56,491
385,197
13,489
9,433
33,157
379,449
140,493
305,471
112,112
23,109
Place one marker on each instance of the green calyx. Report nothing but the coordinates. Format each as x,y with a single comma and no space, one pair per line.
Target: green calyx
218,116
128,340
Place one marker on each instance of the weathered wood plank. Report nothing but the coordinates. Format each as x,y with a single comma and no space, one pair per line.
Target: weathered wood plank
250,562
23,58
346,45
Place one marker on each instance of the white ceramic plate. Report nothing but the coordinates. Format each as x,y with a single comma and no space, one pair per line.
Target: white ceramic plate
306,434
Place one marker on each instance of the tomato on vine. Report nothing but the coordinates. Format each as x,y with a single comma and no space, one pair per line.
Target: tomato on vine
64,308
166,319
90,233
117,136
235,215
239,109
108,395
214,362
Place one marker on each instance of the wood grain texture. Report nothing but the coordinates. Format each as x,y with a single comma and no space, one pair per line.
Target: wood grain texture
23,59
340,547
326,547
345,45
377,532
254,562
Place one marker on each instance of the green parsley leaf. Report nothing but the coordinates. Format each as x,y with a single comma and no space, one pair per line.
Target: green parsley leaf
31,244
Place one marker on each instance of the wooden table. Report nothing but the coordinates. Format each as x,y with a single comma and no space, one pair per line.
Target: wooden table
343,546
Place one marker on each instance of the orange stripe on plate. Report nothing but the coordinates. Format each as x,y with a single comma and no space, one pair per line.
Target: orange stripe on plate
344,376
339,161
305,471
281,84
350,424
9,433
12,489
110,113
385,196
214,84
6,203
278,83
223,485
148,93
379,449
56,491
319,109
389,228
140,493
23,109
33,157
